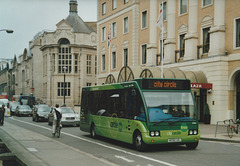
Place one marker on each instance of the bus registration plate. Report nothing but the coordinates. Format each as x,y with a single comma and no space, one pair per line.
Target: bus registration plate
175,140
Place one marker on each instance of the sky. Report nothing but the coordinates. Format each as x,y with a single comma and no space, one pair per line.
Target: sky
28,17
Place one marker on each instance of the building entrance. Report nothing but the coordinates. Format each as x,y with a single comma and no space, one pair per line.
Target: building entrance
238,96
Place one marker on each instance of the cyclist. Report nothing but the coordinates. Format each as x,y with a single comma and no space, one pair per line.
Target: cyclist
57,115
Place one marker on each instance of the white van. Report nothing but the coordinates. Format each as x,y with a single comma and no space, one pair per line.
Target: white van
6,103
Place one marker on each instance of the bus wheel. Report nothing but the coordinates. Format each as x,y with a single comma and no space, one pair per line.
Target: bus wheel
92,131
192,145
138,142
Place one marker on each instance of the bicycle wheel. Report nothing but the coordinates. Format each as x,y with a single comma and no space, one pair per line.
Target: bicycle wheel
230,131
58,131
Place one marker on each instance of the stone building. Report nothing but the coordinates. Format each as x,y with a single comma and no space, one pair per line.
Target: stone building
201,42
64,60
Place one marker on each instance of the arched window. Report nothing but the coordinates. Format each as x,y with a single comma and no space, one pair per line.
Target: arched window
63,41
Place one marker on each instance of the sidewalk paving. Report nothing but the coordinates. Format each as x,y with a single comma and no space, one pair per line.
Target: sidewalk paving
41,150
210,132
38,150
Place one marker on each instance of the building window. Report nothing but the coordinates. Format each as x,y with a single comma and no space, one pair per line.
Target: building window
183,6
114,29
125,25
103,62
125,57
114,4
206,39
104,8
61,89
144,54
238,32
182,45
89,84
76,63
206,2
114,60
95,64
144,19
64,60
103,33
89,64
126,1
159,56
165,11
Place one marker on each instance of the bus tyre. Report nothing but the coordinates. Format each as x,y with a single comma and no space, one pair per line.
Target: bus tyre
192,145
138,142
92,131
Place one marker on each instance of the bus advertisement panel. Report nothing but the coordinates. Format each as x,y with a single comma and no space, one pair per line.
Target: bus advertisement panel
142,112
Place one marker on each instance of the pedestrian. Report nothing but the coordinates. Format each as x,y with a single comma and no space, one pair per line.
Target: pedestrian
2,112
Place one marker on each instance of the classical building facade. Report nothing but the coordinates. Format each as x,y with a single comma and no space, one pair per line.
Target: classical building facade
201,43
64,60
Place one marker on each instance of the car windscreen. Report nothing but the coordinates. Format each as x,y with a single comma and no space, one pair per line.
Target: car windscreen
44,109
67,110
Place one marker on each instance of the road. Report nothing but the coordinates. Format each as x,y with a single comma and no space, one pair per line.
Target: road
207,153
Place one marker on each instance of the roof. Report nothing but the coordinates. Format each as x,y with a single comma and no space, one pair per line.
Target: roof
79,26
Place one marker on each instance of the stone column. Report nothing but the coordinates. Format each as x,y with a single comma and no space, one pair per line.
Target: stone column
152,45
170,43
217,32
191,38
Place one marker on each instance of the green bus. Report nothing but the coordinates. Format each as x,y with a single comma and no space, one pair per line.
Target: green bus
144,111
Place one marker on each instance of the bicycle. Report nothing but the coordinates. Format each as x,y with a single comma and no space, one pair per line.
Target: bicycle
58,129
233,126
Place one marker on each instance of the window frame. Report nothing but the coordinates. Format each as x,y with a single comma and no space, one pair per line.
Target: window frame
104,37
125,57
143,57
114,4
60,89
206,5
236,39
114,60
114,29
203,42
144,26
181,12
103,60
89,64
104,8
124,25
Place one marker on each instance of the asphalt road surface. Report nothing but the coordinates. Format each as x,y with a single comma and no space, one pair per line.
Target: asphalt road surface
208,153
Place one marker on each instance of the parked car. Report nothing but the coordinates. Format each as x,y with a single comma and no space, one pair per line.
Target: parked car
69,117
23,110
13,106
41,113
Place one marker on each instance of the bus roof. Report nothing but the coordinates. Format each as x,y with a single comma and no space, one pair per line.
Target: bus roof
146,84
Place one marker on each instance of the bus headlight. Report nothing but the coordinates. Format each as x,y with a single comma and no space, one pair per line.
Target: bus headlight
154,133
193,132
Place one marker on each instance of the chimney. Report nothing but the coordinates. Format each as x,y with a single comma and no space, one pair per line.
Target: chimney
73,6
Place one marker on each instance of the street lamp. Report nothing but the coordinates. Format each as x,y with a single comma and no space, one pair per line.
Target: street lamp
64,85
7,30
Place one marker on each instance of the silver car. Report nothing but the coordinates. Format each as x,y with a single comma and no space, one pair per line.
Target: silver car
69,117
23,110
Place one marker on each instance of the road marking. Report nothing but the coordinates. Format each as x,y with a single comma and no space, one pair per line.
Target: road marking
32,149
124,158
103,145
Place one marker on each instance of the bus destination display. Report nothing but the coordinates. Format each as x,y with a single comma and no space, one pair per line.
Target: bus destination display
158,84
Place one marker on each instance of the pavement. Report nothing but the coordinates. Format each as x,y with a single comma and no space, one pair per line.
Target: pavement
30,148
